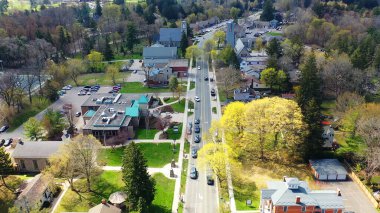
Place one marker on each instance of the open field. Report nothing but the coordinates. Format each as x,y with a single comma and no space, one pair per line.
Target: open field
100,78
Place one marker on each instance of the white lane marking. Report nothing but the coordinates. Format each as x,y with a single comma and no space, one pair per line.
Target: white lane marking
200,197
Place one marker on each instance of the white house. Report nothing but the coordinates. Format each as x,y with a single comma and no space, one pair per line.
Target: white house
328,136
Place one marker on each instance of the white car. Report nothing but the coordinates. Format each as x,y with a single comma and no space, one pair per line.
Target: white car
197,99
199,67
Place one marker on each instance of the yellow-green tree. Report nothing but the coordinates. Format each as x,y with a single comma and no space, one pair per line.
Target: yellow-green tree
95,58
192,52
75,67
112,71
208,45
219,37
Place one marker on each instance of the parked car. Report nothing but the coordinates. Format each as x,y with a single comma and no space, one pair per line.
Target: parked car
211,79
8,142
197,99
4,128
194,152
197,121
88,93
82,92
206,78
77,114
212,92
197,129
199,68
62,91
210,179
193,173
2,142
197,139
134,71
111,91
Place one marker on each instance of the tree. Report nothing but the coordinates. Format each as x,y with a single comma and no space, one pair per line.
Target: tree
138,183
220,37
6,166
75,68
230,78
269,76
274,48
108,54
216,156
259,45
192,52
98,8
119,2
33,129
95,58
268,10
208,45
235,12
347,101
54,124
131,38
3,6
112,72
173,84
184,44
228,56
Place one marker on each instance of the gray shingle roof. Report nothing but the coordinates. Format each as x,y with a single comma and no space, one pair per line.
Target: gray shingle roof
42,149
170,34
328,166
104,208
33,191
160,53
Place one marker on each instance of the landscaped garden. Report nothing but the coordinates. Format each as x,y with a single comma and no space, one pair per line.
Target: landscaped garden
157,154
179,106
175,135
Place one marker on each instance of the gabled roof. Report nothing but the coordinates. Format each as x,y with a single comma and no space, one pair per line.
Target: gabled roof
104,208
32,193
159,52
239,46
42,149
132,111
170,34
143,99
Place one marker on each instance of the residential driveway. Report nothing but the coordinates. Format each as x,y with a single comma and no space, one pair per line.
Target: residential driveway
136,65
136,77
354,198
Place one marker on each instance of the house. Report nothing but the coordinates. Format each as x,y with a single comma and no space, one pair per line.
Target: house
33,156
292,195
328,136
245,95
158,55
289,96
251,72
35,193
240,49
204,24
273,24
328,169
179,66
260,24
104,207
170,37
114,114
159,76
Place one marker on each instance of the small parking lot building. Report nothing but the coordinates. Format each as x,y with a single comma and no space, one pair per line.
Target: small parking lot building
328,169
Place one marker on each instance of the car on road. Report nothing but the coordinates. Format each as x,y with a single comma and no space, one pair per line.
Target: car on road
197,121
77,114
4,128
197,139
210,179
194,152
212,92
199,68
206,78
197,129
2,142
8,142
193,173
211,80
197,99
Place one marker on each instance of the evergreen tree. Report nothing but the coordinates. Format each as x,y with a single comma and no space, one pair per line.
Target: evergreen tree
98,8
139,186
3,6
268,10
184,44
119,2
313,141
108,54
131,39
5,166
139,9
274,48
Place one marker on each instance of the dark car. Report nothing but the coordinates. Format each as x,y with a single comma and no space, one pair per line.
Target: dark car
210,180
211,79
193,173
4,128
194,153
212,92
206,78
197,129
8,142
197,121
197,139
111,91
2,142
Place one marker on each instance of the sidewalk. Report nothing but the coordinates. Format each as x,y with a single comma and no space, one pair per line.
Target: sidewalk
164,170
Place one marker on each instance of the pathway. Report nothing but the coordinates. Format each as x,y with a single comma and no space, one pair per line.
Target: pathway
56,201
164,170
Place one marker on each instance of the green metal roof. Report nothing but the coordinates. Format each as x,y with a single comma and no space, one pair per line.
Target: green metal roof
132,111
89,113
143,99
135,104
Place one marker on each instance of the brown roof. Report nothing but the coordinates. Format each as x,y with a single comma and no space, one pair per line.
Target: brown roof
104,208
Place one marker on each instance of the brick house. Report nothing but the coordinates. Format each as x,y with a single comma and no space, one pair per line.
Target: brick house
294,196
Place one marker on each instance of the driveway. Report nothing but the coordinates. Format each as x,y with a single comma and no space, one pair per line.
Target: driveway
136,77
136,65
354,198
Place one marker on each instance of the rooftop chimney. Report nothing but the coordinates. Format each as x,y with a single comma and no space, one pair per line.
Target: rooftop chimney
104,201
338,192
298,199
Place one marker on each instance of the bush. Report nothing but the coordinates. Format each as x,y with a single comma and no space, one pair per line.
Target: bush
166,99
167,108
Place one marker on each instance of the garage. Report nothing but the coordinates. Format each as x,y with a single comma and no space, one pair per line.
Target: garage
328,169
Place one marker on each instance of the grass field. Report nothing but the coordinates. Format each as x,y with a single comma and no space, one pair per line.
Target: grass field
100,78
156,154
146,133
163,198
175,136
169,100
179,106
192,85
274,34
138,87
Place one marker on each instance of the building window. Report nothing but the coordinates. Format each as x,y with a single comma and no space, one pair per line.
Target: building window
285,208
35,164
22,162
303,208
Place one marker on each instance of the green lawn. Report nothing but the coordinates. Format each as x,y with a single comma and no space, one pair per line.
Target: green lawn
175,136
191,104
179,106
190,114
214,110
156,154
128,56
241,198
107,183
100,78
192,85
169,100
163,198
328,107
146,133
29,111
274,33
19,5
138,87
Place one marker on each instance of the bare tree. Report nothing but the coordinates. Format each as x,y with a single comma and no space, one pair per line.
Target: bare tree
9,84
30,79
347,101
229,79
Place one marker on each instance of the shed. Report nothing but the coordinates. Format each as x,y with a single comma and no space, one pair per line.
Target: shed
328,169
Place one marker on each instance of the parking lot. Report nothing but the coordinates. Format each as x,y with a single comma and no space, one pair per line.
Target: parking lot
139,76
354,198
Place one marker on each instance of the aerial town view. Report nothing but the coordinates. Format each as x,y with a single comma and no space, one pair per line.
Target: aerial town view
190,106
